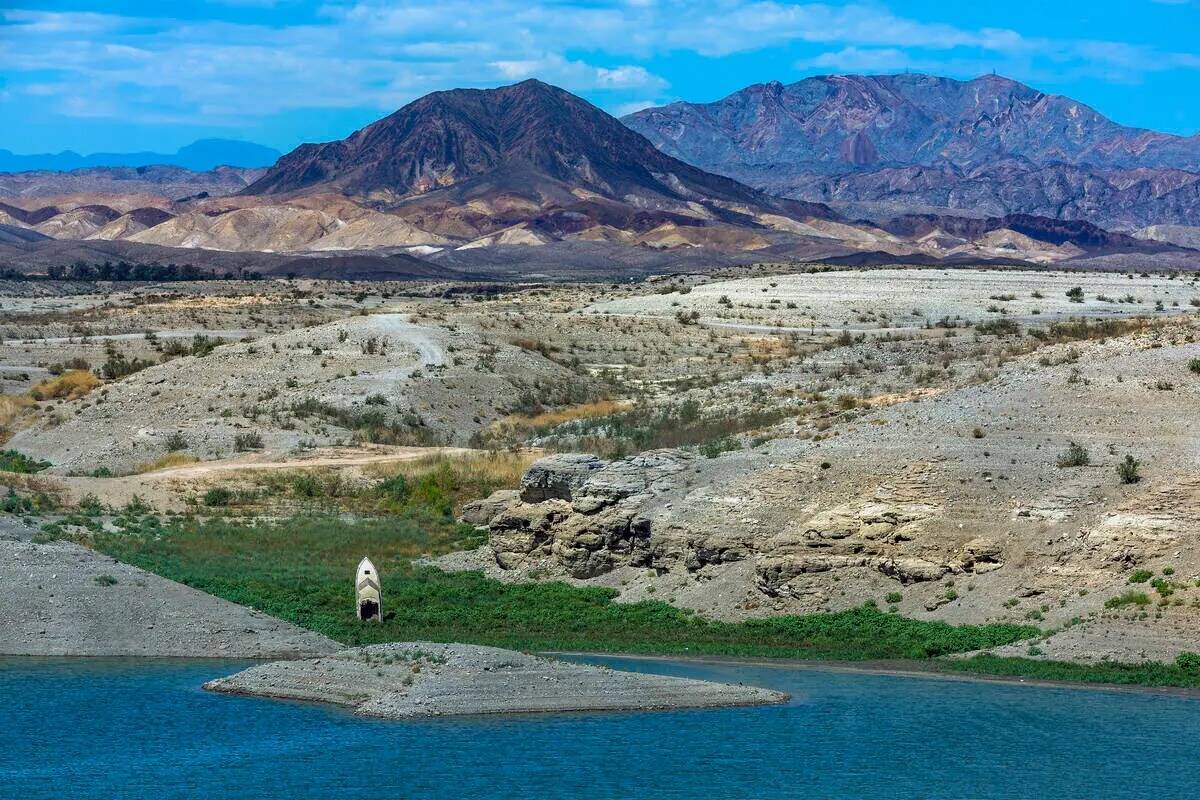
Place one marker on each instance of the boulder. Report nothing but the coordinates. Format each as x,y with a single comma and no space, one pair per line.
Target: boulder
981,555
557,477
646,473
912,570
480,513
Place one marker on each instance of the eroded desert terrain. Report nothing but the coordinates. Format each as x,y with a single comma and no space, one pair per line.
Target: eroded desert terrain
759,441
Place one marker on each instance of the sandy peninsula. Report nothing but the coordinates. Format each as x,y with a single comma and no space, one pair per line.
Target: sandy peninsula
422,679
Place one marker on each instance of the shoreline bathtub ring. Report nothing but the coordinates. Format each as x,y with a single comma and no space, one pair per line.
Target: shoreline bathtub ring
368,601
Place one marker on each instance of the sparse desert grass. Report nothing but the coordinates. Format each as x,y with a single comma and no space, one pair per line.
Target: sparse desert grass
648,426
165,461
518,425
70,385
374,424
438,483
473,475
12,407
244,442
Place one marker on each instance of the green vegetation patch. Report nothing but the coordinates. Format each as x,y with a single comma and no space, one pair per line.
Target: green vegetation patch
302,570
1130,598
12,461
1149,673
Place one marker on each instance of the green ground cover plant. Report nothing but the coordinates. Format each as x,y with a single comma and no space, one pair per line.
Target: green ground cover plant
301,570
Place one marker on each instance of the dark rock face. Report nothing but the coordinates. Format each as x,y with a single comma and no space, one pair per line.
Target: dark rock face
905,142
527,133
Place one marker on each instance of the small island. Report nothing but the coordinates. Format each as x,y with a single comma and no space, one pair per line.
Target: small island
424,679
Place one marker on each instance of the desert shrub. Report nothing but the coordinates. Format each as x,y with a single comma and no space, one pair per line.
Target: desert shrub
373,424
247,441
203,345
1076,329
118,365
893,597
1141,576
106,580
90,505
12,461
217,497
1075,294
1127,470
1163,587
176,441
1194,365
68,386
649,426
716,447
998,327
59,367
1076,455
1130,598
1188,661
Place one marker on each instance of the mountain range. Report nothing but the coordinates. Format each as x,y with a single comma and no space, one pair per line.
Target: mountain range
886,144
472,172
199,156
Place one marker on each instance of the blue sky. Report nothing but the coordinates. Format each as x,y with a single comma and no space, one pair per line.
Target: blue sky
95,75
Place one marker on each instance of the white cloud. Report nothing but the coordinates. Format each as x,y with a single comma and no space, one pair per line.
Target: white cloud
380,54
632,107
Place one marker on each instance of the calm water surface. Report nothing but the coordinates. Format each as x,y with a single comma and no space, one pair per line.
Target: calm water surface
128,729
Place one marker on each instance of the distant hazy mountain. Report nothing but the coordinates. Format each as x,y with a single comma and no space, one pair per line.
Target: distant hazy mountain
915,142
200,156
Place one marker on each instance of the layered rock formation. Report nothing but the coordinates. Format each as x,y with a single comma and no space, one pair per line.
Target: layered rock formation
581,516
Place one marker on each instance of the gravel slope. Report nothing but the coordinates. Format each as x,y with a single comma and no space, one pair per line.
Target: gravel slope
422,679
61,599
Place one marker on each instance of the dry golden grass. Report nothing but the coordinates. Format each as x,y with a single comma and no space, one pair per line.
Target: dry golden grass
522,423
764,349
11,407
500,469
166,461
70,385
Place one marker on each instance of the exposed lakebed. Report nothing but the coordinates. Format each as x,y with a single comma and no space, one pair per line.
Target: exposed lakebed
121,728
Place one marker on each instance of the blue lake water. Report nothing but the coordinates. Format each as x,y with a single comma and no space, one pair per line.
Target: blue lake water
100,728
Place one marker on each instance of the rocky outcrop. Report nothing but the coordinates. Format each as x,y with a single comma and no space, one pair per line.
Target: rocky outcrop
580,512
585,516
558,477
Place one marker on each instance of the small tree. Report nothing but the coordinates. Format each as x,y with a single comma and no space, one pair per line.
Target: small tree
1075,294
1127,470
